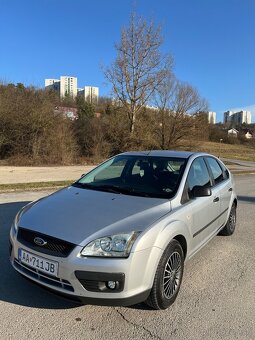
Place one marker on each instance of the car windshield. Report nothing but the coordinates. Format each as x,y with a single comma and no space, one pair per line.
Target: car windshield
147,176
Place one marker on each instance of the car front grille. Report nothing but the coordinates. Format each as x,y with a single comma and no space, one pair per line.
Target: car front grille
54,246
43,277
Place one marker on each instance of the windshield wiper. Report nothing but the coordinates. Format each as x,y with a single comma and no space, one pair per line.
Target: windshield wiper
124,190
114,189
83,185
109,188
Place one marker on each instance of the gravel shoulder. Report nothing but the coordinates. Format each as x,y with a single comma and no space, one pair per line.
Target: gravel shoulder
25,174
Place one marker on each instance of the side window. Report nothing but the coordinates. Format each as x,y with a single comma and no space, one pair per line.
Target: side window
198,175
216,170
225,172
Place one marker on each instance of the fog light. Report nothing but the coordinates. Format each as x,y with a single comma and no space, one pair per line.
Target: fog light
112,284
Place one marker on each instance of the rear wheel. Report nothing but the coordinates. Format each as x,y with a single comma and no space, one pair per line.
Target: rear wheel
168,277
231,223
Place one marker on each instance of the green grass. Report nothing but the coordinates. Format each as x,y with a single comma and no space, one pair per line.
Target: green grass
33,186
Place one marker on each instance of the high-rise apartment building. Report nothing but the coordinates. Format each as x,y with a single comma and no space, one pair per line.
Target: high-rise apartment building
212,117
228,116
90,94
52,84
68,86
240,117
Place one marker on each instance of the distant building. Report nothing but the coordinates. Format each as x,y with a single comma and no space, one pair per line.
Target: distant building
233,132
69,112
228,116
67,86
240,117
52,84
211,117
90,94
248,134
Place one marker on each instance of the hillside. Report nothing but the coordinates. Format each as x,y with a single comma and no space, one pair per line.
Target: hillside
233,151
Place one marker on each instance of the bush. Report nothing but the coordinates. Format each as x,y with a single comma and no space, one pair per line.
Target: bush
30,130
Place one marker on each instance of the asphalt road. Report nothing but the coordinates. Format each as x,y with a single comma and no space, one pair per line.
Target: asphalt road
216,301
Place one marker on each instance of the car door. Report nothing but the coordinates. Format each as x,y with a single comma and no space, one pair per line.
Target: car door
202,212
222,183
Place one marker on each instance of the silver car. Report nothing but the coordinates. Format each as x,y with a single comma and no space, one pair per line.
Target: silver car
120,235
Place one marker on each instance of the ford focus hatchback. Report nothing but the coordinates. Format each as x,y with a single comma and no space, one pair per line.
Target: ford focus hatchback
120,234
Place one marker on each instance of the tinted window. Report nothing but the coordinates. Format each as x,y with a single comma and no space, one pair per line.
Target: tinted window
216,170
225,171
198,175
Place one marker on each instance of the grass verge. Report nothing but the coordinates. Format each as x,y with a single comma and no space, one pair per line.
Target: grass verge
33,186
232,151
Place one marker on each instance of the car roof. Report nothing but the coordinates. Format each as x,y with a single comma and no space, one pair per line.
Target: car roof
161,153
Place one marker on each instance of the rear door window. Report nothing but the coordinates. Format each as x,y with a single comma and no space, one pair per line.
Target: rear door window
216,169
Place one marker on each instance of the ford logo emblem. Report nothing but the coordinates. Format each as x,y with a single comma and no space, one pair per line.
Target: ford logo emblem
39,241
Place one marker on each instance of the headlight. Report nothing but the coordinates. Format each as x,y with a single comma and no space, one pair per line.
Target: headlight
111,246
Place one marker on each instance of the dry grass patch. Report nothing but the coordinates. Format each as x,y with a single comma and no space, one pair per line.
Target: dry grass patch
232,151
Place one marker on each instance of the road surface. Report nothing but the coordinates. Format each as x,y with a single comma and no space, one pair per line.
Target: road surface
216,300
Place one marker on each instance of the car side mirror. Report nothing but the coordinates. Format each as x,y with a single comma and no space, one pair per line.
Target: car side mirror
199,191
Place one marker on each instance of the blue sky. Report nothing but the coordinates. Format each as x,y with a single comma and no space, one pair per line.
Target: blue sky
212,42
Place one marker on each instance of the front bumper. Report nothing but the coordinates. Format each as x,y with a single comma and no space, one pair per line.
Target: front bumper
85,278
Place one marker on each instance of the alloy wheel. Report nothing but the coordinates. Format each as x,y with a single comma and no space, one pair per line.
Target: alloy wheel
172,275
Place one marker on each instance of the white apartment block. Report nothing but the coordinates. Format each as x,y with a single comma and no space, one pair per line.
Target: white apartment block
68,86
52,84
90,94
240,117
211,117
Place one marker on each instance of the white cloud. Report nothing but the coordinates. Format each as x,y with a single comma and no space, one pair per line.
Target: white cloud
244,108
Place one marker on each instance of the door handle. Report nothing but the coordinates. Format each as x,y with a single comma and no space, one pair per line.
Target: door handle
230,189
216,199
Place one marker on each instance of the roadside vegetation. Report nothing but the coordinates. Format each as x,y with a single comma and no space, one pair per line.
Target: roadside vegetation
149,108
240,151
34,186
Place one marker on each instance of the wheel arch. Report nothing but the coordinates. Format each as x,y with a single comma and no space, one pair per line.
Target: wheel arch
183,242
178,231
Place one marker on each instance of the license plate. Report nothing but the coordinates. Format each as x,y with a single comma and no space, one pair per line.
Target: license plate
38,262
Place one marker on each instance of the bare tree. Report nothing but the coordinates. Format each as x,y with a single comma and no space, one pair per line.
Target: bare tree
139,67
177,104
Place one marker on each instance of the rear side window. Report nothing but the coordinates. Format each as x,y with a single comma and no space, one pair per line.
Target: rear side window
216,170
225,172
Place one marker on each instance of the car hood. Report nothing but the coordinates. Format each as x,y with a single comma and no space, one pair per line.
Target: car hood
81,215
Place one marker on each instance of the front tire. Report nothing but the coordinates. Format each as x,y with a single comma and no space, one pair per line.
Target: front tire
231,223
168,277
